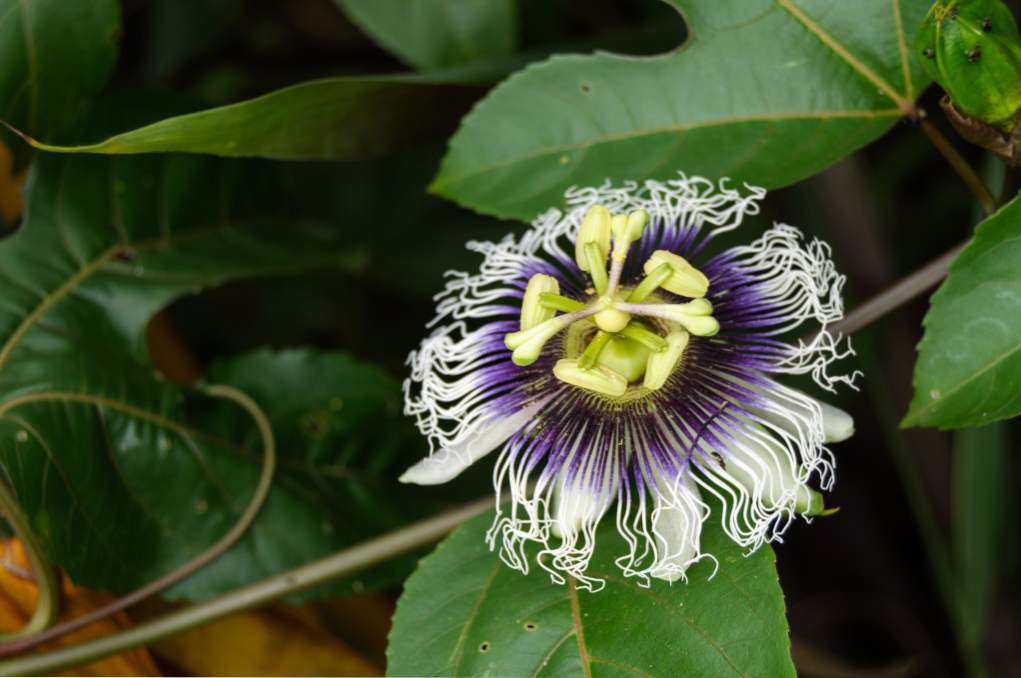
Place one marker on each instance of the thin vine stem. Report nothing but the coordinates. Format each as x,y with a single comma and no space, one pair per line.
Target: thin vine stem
963,168
340,564
898,294
47,605
195,564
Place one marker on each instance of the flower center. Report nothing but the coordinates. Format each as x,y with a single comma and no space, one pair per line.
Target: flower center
623,351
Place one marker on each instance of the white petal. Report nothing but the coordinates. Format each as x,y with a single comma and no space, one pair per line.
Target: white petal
765,468
582,500
837,425
677,526
449,462
578,509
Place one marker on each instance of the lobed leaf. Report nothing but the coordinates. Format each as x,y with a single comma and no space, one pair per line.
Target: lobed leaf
765,91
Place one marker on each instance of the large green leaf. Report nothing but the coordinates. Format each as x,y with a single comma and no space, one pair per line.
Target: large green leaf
332,119
54,57
969,361
439,33
124,475
765,91
465,613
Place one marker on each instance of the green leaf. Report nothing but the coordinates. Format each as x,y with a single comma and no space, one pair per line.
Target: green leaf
465,613
123,475
969,361
439,33
331,119
765,91
342,442
55,56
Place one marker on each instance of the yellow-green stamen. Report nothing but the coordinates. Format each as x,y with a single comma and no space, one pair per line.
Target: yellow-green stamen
643,336
595,347
623,352
556,302
533,312
684,279
596,260
649,285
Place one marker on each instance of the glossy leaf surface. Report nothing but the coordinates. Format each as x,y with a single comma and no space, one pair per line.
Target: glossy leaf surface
764,91
969,361
465,613
332,119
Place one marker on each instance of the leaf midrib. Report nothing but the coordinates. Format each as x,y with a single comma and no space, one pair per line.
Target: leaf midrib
903,103
664,129
99,262
931,406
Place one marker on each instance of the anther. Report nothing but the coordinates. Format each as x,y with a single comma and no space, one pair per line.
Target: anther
595,229
533,311
684,280
596,258
627,229
661,364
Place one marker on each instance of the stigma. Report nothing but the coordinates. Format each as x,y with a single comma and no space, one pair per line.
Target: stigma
620,338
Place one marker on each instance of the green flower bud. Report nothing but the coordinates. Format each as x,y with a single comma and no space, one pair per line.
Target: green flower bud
973,50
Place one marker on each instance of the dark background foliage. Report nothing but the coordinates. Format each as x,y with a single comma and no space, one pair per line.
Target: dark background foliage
859,586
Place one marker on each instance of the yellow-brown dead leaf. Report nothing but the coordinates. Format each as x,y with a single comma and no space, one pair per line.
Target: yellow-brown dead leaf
270,642
18,595
11,204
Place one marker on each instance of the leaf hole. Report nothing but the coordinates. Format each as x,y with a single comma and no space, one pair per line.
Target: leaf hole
530,626
484,647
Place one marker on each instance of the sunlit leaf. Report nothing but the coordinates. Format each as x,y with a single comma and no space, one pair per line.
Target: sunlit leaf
969,361
765,91
465,613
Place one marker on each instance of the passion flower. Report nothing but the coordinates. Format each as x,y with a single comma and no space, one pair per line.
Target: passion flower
617,363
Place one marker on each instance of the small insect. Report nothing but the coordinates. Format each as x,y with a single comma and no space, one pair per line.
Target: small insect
975,54
987,25
928,53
